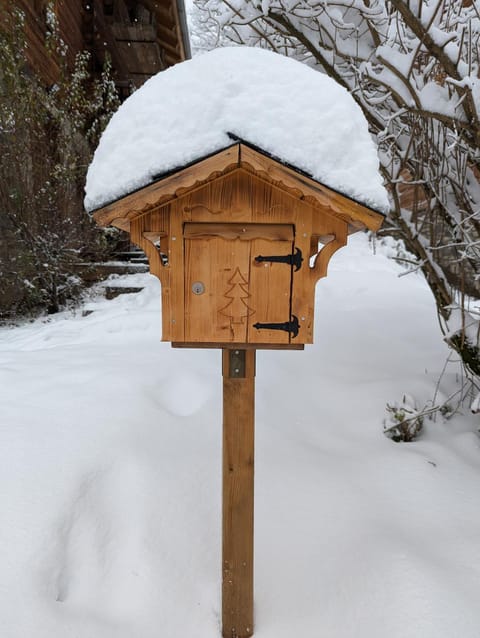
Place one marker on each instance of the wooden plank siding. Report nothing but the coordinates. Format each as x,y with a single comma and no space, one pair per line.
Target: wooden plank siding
70,18
141,37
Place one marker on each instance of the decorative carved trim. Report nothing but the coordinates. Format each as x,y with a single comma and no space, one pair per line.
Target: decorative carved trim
236,308
191,209
320,265
191,178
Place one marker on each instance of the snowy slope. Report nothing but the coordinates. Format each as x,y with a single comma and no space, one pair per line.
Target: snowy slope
110,467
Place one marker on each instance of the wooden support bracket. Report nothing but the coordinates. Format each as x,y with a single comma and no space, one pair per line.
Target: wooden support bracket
320,265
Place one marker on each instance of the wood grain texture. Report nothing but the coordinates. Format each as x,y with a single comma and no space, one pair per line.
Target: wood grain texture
320,265
137,49
259,216
222,311
176,318
238,498
241,346
244,232
236,291
154,243
271,289
249,161
166,189
342,205
70,17
202,245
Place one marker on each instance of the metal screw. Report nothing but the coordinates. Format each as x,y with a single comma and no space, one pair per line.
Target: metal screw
198,288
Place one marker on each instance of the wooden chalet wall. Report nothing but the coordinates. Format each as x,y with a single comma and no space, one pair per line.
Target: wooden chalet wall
141,37
70,17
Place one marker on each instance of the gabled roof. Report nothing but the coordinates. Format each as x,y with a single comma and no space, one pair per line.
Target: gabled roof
247,157
283,106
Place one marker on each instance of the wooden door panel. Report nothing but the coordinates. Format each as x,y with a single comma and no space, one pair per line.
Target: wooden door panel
270,288
220,312
227,291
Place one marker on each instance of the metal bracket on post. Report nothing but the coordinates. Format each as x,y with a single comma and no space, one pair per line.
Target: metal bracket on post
236,363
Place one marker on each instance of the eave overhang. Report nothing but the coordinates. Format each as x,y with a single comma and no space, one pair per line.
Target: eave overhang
239,155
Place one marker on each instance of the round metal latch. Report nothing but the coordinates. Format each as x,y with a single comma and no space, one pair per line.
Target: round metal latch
198,288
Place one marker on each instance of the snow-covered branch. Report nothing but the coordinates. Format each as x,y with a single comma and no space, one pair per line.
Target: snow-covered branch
414,69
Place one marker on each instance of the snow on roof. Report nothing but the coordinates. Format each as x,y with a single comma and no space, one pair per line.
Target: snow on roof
186,112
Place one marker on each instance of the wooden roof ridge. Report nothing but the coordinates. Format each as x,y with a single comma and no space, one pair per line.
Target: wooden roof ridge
239,155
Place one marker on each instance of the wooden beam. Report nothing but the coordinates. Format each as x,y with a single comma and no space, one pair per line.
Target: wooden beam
178,27
238,496
241,346
170,60
172,50
143,58
242,231
134,32
167,35
164,14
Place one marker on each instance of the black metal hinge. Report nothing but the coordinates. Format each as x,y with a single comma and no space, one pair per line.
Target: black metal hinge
291,326
291,260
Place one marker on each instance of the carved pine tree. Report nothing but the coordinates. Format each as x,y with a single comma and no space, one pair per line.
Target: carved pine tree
237,309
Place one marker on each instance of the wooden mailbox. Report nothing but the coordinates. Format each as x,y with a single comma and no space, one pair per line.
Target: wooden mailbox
238,241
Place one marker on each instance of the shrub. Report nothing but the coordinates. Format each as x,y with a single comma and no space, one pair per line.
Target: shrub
46,140
404,422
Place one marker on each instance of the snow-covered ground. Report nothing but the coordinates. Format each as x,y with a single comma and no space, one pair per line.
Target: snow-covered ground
110,469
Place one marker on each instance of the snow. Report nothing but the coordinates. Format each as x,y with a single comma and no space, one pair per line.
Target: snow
276,103
110,470
435,98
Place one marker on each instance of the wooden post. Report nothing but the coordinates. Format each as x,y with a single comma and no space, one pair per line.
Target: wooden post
238,475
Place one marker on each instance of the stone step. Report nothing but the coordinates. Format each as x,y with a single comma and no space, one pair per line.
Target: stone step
115,291
91,273
136,256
